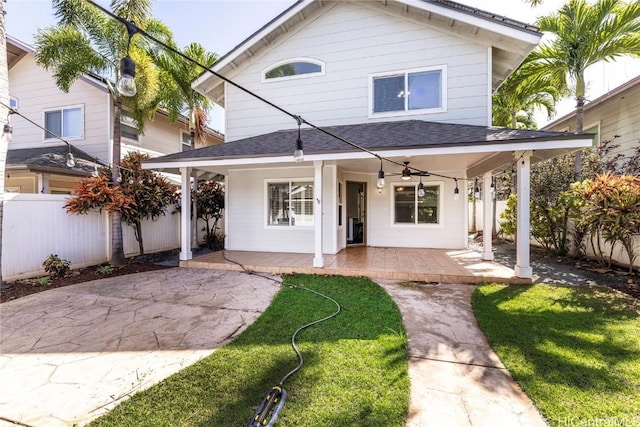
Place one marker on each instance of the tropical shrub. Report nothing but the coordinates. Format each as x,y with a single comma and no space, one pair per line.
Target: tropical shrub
55,266
611,211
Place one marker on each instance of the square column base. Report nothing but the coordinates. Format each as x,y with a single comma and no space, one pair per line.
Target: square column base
523,272
318,262
487,256
186,256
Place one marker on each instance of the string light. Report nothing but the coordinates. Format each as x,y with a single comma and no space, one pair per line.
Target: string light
298,154
126,84
421,188
7,129
380,183
69,158
132,29
456,191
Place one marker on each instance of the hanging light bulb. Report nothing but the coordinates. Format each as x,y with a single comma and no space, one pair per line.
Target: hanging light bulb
456,192
421,188
7,132
406,173
126,84
95,172
476,190
380,183
493,188
71,161
298,154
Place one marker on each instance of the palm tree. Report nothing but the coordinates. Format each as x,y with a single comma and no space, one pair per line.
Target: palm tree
4,97
585,34
526,89
176,94
86,41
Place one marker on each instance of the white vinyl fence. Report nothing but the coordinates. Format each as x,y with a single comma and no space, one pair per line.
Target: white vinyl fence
500,207
36,226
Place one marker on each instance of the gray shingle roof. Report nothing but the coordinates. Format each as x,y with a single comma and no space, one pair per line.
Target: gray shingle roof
380,136
52,159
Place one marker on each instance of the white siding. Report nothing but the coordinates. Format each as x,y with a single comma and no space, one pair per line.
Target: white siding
36,91
616,116
381,232
246,212
355,41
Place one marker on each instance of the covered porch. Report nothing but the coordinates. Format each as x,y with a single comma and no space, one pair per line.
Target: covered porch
411,264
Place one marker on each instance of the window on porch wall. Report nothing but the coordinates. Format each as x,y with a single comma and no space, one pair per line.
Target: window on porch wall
410,208
290,204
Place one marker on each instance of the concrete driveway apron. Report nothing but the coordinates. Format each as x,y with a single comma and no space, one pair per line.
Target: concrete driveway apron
456,378
70,354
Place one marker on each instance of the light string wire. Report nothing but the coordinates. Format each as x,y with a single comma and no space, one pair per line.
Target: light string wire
70,145
298,118
130,25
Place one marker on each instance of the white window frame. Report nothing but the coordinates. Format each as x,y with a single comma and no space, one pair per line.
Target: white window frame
297,76
61,109
596,143
268,226
123,116
392,202
406,111
182,134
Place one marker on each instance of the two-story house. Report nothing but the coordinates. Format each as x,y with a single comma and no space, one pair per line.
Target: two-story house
395,97
612,117
36,159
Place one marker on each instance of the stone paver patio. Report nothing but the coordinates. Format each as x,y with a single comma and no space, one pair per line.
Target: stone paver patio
70,354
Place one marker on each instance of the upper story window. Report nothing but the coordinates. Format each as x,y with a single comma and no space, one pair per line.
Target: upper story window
128,127
294,68
409,207
185,139
409,92
67,122
290,204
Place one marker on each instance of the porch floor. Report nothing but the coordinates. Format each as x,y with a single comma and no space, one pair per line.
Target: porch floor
415,264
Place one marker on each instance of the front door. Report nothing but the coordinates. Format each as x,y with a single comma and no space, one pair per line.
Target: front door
356,212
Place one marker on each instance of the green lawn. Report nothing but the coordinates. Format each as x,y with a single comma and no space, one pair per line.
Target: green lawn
354,373
574,350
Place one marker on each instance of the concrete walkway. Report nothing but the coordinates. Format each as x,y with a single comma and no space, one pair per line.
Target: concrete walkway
456,378
68,355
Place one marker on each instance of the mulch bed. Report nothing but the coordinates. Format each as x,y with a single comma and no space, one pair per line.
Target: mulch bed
23,287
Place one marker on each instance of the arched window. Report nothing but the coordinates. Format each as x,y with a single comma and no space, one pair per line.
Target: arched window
294,68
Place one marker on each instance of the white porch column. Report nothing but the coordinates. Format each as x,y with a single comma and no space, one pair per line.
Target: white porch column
487,218
318,259
185,215
523,167
194,219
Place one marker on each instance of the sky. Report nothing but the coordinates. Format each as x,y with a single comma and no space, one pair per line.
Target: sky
220,25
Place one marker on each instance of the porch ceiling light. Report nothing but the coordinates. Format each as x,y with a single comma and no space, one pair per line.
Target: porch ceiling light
406,173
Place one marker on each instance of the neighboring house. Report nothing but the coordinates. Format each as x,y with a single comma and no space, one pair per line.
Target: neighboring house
36,160
611,117
409,80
